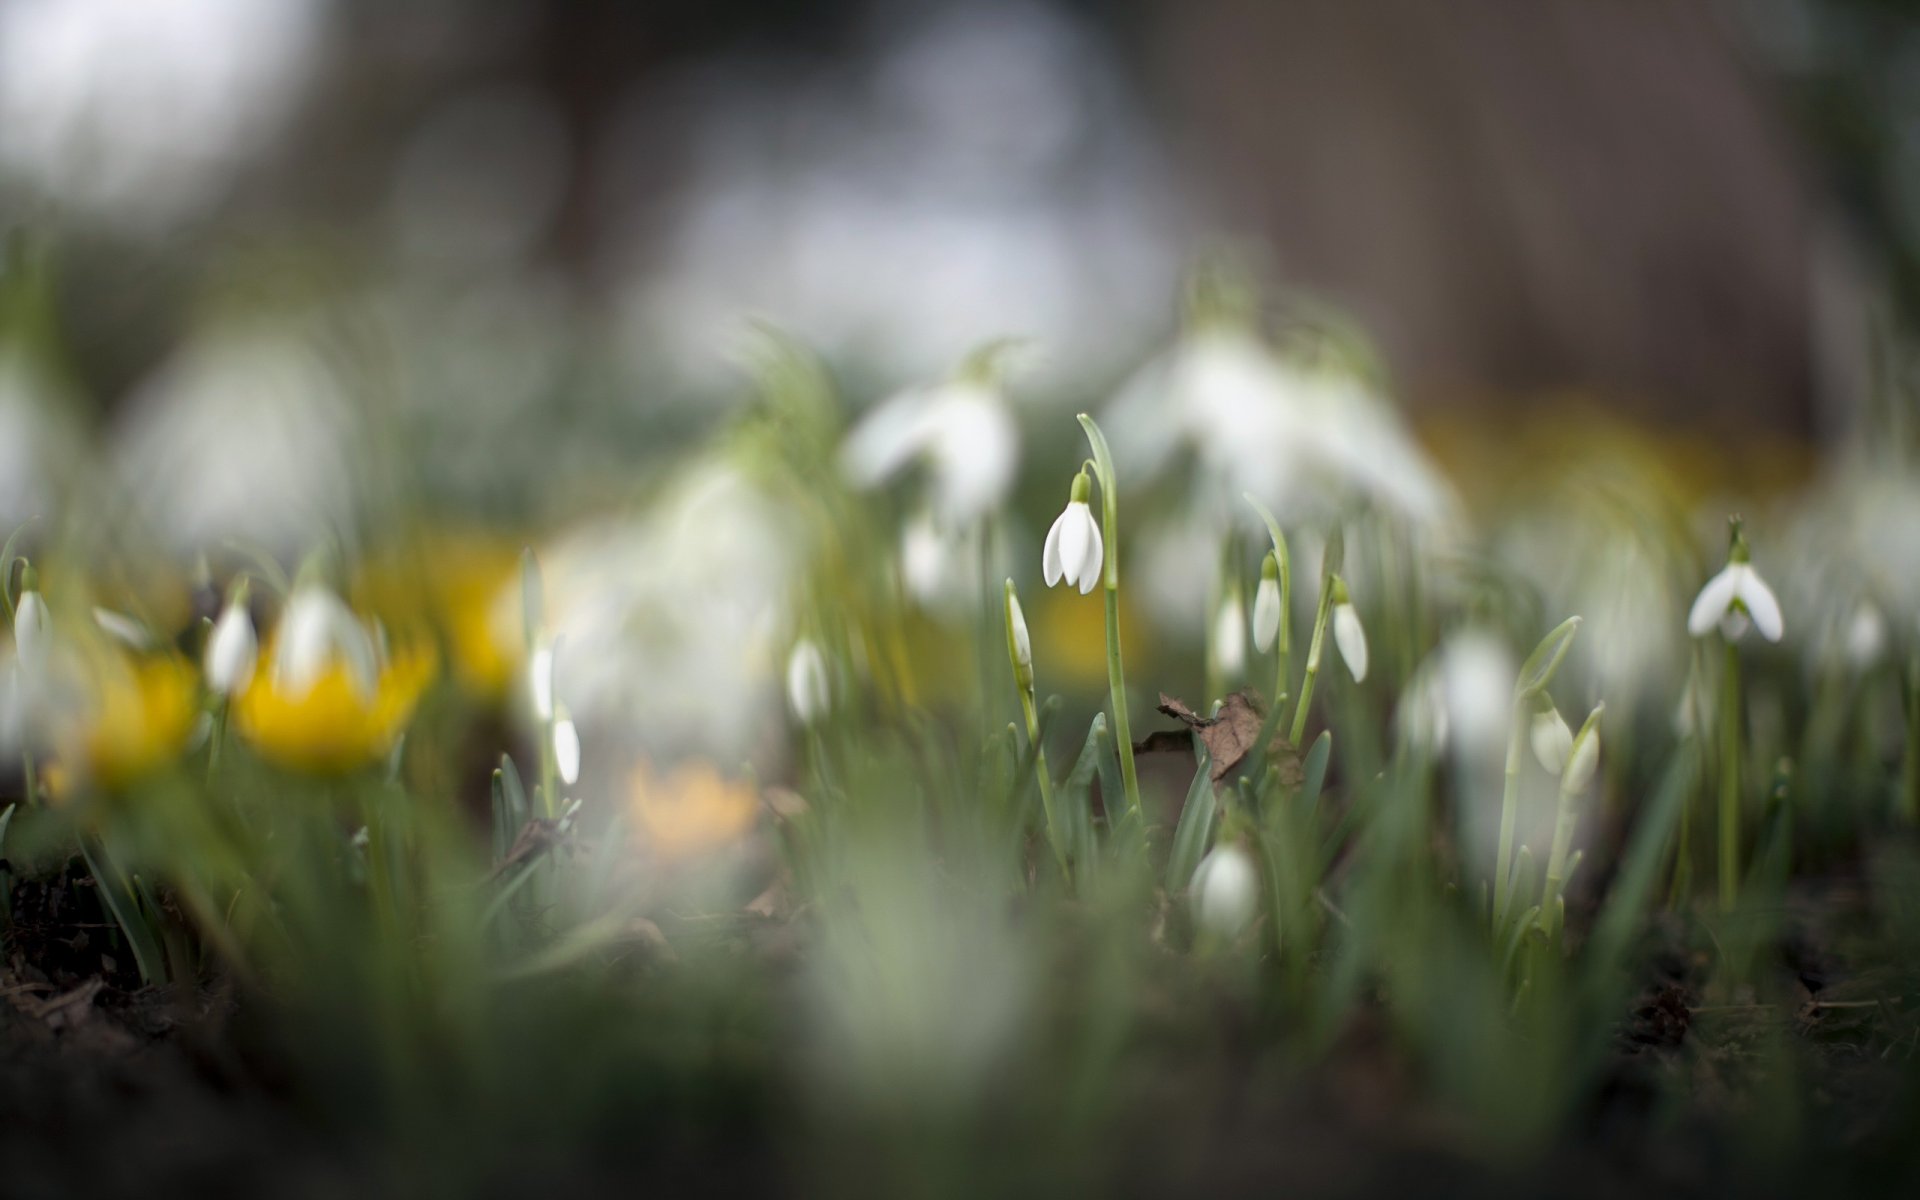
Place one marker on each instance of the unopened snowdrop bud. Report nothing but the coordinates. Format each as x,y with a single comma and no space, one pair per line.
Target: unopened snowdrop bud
1552,740
1866,640
1074,552
1585,756
124,629
1736,597
1348,634
1019,642
30,622
540,680
231,648
1230,636
1226,890
566,750
1266,605
807,690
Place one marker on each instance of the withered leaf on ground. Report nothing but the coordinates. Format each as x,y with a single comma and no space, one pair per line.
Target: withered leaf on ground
1231,734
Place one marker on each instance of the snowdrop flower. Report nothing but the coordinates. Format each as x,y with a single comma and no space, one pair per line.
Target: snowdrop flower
1736,597
1348,634
1866,636
30,625
1226,890
1266,605
540,680
1552,739
1229,643
126,630
1022,642
1074,551
566,750
807,690
232,648
1583,760
961,429
318,631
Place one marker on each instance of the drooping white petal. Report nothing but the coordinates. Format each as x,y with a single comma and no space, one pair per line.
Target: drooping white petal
231,651
885,440
1094,555
1266,614
1051,568
1761,604
1714,600
974,447
316,630
30,630
1226,890
1351,639
1552,740
123,628
1866,636
1073,541
1230,637
540,680
807,689
566,751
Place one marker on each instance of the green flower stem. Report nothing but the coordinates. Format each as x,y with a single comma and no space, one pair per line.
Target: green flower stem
1023,684
1116,675
1314,648
1730,780
1509,806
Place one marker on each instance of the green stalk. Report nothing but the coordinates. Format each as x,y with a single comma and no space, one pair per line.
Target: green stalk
1023,684
1116,675
1730,780
1314,648
1564,821
1509,806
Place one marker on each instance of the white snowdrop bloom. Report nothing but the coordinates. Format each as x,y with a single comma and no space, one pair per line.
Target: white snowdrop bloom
962,430
1584,759
30,630
1734,596
1351,638
242,435
126,630
1073,551
1866,636
232,649
1476,673
1266,606
1226,890
1229,642
566,750
318,630
1552,740
808,692
540,679
926,565
1260,423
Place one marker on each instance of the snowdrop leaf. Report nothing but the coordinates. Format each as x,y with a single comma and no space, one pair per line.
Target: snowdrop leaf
1190,837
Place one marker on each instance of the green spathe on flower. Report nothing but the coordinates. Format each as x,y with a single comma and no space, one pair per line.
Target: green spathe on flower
1736,597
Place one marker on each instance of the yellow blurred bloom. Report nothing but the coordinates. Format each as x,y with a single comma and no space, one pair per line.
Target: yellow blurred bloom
689,811
335,724
136,718
465,586
1069,637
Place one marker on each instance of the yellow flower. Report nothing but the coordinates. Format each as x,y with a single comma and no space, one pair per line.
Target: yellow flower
690,811
466,586
136,717
324,698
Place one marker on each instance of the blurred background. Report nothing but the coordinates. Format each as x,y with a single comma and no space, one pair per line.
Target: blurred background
1689,213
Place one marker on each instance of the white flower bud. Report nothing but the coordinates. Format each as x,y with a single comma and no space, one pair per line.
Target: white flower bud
1351,639
1230,637
231,651
566,750
1582,762
30,624
1266,607
1552,740
1225,890
807,689
1022,642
